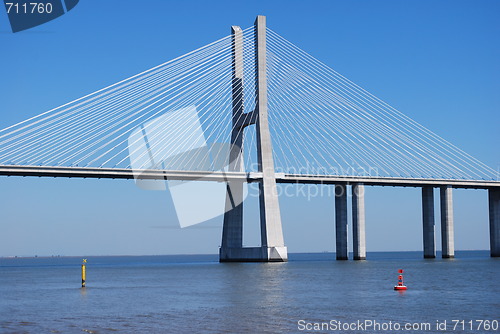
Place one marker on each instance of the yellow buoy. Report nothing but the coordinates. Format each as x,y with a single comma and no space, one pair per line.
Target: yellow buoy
83,272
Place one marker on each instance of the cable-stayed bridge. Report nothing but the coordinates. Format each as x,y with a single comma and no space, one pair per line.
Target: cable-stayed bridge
193,119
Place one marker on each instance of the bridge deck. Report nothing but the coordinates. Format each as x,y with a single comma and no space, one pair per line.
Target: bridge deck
220,176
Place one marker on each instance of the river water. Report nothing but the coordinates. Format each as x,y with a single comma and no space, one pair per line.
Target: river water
196,294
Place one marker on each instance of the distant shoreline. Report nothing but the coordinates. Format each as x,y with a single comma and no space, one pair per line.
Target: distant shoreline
216,255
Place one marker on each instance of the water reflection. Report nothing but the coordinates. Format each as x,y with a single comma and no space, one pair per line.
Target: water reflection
83,293
262,285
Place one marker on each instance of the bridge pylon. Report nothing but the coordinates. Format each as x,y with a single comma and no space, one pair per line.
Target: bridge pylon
272,247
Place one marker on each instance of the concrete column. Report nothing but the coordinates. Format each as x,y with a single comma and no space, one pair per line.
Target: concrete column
341,221
272,244
494,208
428,222
232,230
270,216
447,237
358,222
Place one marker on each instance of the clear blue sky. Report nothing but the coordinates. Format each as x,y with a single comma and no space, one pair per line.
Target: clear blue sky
436,61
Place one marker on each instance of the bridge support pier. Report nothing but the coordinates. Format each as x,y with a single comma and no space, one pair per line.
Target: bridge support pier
270,216
272,247
358,222
341,221
447,235
232,229
428,222
494,210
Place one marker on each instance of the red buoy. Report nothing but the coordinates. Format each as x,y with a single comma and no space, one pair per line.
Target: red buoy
400,285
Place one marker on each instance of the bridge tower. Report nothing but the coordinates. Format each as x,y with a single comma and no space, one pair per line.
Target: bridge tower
272,247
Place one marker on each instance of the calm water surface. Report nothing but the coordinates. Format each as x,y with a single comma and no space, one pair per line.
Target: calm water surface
196,294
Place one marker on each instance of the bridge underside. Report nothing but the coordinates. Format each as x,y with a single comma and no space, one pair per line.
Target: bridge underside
220,176
278,254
